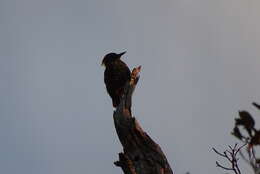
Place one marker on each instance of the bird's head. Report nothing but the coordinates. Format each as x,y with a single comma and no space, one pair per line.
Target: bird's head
111,57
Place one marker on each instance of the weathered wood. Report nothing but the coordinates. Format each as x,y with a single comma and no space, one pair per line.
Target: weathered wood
141,154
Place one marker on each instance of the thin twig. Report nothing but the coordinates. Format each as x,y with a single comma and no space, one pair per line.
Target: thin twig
231,156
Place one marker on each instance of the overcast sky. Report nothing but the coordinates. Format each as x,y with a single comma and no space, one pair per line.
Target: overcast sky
200,62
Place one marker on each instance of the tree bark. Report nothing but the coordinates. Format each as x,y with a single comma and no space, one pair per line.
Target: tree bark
141,154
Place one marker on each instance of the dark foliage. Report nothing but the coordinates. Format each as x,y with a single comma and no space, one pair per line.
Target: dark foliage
250,139
247,122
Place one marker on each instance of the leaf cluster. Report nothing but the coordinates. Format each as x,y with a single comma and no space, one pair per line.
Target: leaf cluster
247,122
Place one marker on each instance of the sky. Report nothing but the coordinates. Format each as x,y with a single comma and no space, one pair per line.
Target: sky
200,65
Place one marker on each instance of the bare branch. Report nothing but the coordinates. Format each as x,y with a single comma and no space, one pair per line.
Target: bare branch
141,154
231,156
217,152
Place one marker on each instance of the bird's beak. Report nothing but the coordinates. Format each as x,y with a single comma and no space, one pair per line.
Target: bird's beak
120,54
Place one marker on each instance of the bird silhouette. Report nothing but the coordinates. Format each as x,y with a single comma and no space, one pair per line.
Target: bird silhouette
116,75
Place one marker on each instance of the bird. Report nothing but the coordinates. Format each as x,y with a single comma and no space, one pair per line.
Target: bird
116,75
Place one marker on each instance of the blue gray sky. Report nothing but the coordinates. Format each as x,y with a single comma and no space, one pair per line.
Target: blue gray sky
200,62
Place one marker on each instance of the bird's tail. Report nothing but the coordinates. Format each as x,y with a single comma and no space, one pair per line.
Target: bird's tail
116,101
117,98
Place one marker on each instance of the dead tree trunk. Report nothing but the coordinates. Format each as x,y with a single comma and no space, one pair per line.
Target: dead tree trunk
141,154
